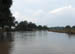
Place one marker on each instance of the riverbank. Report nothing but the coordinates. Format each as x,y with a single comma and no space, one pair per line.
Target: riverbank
70,31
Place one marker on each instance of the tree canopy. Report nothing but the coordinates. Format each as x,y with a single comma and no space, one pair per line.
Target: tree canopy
6,18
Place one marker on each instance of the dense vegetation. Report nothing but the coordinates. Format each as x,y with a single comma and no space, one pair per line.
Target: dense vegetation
29,26
6,18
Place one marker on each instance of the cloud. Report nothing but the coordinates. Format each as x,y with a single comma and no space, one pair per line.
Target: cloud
58,17
38,13
60,9
19,17
44,12
62,16
32,1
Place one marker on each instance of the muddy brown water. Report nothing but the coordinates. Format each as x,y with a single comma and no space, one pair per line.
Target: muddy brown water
39,42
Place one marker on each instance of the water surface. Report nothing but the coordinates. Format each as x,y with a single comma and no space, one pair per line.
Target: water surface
39,42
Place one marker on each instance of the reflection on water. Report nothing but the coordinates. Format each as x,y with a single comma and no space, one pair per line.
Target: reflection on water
39,42
4,36
6,39
71,35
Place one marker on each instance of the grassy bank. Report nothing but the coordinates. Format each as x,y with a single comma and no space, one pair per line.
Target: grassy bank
71,31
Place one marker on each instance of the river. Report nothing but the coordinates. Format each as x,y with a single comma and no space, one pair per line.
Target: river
39,42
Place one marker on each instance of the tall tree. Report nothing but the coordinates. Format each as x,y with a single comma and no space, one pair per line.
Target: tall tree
6,18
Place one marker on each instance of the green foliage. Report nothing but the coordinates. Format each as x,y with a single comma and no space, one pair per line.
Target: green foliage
25,26
68,27
6,18
73,27
32,25
7,3
29,26
39,27
45,27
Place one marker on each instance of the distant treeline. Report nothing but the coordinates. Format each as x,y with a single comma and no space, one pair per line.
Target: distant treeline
66,29
29,26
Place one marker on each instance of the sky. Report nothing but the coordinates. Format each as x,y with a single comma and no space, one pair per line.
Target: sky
45,12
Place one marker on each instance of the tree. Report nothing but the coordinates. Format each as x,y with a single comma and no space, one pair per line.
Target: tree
45,27
6,3
68,29
40,27
73,27
23,25
6,18
32,25
16,23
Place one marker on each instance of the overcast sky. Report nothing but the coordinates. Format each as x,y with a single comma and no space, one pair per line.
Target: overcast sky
45,12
